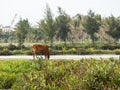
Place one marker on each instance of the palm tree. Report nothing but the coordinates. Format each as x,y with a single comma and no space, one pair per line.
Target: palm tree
114,27
63,25
22,28
77,20
91,25
47,26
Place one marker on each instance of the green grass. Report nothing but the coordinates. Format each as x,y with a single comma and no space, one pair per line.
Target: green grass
84,74
12,69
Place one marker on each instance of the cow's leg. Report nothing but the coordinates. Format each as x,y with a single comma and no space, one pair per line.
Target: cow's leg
47,56
34,55
33,52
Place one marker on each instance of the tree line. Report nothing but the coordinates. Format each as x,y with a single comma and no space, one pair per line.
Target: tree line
91,27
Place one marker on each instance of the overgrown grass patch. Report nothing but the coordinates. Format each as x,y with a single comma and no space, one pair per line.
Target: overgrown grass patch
11,69
84,74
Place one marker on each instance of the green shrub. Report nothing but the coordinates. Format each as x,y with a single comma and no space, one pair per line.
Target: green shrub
10,71
110,47
7,80
51,75
72,51
12,47
102,76
27,52
83,51
72,75
117,51
34,80
104,52
17,52
5,51
1,48
84,74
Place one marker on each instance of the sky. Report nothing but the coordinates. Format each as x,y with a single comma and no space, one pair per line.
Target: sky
33,10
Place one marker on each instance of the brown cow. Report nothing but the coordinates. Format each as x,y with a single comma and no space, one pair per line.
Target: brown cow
41,49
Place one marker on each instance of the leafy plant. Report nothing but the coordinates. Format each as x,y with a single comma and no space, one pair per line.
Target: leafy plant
101,76
11,70
84,74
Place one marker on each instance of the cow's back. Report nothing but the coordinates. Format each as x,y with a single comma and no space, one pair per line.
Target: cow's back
40,48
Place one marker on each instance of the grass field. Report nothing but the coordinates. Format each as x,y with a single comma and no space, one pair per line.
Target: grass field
84,74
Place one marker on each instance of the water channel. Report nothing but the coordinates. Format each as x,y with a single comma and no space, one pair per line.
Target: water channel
74,57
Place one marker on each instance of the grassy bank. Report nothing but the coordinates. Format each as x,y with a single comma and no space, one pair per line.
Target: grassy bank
84,74
77,49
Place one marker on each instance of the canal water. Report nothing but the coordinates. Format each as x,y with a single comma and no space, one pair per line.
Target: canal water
74,57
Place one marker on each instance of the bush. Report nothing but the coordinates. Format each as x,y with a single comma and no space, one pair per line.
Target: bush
17,52
1,48
28,52
50,75
34,80
102,76
110,47
72,51
10,71
104,52
85,74
117,51
12,47
7,80
72,75
5,51
82,51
